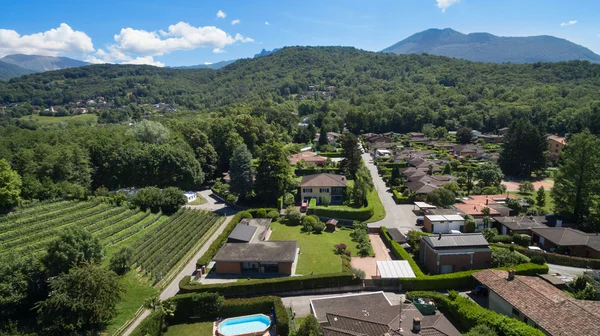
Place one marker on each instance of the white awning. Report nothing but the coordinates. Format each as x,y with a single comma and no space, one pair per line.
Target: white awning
423,205
394,269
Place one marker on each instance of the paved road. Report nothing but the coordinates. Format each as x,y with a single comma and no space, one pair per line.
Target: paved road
213,204
397,215
566,270
301,304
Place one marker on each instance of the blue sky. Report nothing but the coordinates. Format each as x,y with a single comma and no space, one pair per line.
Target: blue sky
195,32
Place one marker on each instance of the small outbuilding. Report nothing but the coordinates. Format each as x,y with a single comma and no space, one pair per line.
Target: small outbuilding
394,269
331,224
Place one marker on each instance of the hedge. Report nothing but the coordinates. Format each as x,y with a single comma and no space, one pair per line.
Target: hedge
469,314
337,211
149,326
196,306
400,199
393,164
270,286
308,171
451,280
506,239
222,239
331,154
555,258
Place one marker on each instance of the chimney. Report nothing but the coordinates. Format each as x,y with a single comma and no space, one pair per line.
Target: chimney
416,324
440,236
511,274
486,200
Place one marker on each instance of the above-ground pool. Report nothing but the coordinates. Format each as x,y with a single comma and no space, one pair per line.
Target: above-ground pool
245,325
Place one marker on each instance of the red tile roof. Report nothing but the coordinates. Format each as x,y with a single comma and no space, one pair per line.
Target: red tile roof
547,306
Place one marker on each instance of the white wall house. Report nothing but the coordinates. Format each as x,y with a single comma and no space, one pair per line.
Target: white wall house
443,223
190,195
318,186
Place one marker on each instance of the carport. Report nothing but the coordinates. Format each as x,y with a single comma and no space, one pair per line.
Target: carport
424,206
393,269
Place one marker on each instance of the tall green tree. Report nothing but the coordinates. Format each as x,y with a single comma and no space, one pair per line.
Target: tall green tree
541,197
351,153
523,149
83,301
363,184
23,282
273,173
489,174
150,132
323,140
463,135
71,248
10,186
240,171
577,182
309,327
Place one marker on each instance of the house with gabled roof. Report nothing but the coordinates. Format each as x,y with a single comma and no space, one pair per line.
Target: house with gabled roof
447,253
571,241
318,186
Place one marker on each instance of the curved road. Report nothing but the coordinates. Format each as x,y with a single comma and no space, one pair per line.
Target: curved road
213,204
398,216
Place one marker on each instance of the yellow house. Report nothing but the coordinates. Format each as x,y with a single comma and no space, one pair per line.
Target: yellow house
319,185
555,144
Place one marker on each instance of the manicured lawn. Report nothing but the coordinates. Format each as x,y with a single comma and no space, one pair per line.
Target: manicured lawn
198,201
190,329
316,250
549,208
378,209
137,290
86,118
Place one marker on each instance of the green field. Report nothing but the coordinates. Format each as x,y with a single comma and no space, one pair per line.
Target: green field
85,118
316,250
198,201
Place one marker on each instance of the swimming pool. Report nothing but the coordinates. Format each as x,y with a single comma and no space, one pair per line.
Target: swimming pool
245,325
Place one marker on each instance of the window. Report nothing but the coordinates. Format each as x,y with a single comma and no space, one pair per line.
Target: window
307,190
324,190
516,313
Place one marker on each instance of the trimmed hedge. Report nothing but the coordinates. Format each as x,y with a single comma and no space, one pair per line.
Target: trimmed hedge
222,239
331,154
399,199
334,211
506,239
555,258
469,314
149,326
270,286
308,171
446,281
196,306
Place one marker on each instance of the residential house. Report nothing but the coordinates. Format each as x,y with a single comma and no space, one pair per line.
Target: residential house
503,131
372,314
474,151
265,257
308,157
319,185
492,138
539,304
555,144
422,184
474,204
447,253
524,224
332,137
443,223
573,242
374,138
383,153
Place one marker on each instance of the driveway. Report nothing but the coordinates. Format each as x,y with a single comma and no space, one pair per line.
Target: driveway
369,264
398,216
566,270
213,203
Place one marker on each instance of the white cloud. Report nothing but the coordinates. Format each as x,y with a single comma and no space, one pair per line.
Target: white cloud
236,21
443,4
148,60
267,23
218,51
241,38
570,23
180,36
207,63
221,14
53,42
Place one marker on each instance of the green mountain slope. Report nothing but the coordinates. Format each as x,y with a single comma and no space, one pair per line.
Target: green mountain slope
213,66
8,71
484,47
39,63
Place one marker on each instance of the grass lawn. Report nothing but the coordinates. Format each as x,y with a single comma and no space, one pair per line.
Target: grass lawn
86,118
198,201
378,209
549,208
316,250
137,290
189,329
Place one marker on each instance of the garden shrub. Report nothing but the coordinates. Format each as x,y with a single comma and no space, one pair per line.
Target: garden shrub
361,214
245,214
522,239
261,213
504,258
308,223
558,259
150,326
538,260
401,199
273,214
506,239
196,306
319,227
293,216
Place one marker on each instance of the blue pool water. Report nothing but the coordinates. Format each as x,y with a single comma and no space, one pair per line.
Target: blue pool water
244,325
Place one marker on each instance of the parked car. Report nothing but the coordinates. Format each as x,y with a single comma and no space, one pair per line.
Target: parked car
535,248
419,221
304,207
480,290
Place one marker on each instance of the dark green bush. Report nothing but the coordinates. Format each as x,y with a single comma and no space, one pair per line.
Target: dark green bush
538,260
522,240
400,199
360,214
196,306
558,259
150,326
506,239
261,213
245,214
273,214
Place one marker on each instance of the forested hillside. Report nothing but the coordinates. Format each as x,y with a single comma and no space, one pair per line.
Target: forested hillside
373,92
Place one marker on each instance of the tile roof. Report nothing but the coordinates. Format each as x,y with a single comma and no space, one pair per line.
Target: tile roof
456,240
522,222
308,157
323,180
547,306
321,306
569,237
474,210
266,251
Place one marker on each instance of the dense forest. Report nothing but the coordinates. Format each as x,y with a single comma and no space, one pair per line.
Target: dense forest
373,92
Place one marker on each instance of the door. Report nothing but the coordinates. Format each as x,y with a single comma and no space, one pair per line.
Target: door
446,269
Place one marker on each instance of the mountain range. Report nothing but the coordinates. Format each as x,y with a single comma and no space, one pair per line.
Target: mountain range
18,64
485,47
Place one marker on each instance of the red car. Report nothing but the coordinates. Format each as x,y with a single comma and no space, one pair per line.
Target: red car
304,207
